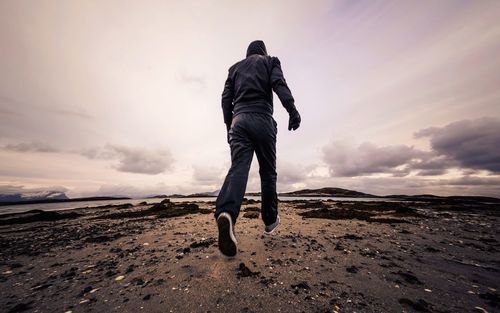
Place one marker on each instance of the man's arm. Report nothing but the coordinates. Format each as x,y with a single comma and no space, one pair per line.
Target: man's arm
227,101
281,89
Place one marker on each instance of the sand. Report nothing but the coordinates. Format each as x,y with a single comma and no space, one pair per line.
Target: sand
325,257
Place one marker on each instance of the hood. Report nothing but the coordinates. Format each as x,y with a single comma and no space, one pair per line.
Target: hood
256,47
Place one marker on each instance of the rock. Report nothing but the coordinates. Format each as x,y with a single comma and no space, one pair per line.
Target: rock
252,209
129,269
165,201
409,278
492,298
121,277
203,243
21,307
352,269
147,297
419,305
244,271
352,237
38,216
251,215
137,281
84,291
301,285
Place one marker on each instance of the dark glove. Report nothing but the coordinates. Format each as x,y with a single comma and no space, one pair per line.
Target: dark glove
294,120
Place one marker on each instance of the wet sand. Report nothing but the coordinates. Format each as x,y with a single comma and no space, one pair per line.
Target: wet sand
326,256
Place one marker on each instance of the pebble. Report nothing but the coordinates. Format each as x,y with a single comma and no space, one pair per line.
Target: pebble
121,277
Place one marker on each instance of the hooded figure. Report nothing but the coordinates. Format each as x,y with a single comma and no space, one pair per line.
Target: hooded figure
247,105
256,47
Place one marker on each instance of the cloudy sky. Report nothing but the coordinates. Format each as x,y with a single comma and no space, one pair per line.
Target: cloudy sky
123,97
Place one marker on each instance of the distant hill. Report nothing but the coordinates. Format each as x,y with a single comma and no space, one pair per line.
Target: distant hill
204,194
158,197
327,192
449,199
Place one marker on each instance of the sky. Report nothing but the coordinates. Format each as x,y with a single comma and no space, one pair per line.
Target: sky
124,97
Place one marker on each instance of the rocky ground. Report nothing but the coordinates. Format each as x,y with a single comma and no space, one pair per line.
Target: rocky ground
325,257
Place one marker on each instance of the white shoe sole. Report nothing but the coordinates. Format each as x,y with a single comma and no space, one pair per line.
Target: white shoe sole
227,241
272,231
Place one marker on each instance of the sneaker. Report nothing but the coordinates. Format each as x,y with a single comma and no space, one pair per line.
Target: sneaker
227,240
268,230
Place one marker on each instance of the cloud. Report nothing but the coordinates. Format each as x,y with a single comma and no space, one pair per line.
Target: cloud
69,111
30,147
197,82
133,160
208,174
366,159
473,144
432,165
467,145
289,173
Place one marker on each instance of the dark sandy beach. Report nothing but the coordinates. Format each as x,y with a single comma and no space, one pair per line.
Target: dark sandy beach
325,257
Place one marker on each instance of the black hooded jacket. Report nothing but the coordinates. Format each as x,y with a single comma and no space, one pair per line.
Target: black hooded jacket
250,84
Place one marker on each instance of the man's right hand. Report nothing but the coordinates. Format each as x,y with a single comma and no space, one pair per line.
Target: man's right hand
294,120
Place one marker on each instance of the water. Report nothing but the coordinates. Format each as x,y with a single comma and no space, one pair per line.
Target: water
18,208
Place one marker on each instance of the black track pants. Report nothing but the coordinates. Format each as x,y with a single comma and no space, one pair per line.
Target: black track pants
249,133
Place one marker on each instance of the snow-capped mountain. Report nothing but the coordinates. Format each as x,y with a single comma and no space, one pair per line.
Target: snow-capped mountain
32,196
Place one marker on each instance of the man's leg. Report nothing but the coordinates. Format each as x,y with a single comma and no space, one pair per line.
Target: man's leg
233,189
265,149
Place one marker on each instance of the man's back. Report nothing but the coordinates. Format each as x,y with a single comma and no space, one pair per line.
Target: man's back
250,84
251,79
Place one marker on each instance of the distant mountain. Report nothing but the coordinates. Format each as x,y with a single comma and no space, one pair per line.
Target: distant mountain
204,194
33,196
449,199
327,192
157,197
55,200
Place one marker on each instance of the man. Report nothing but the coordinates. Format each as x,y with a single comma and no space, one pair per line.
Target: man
247,105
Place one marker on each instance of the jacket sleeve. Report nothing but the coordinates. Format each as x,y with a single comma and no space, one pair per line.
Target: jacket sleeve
227,100
280,87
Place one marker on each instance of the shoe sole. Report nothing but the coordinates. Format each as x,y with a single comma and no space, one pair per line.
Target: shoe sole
272,231
227,245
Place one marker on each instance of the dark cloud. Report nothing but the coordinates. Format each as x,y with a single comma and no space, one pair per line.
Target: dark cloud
468,145
133,160
473,144
432,165
30,147
367,159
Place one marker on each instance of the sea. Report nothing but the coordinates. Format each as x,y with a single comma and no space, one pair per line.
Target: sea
19,208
